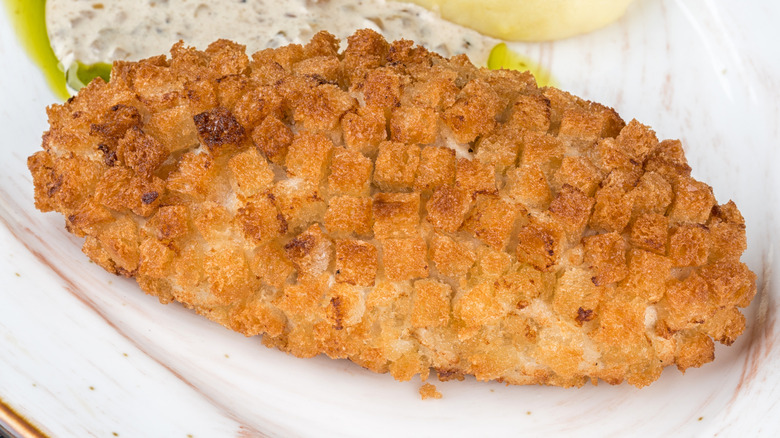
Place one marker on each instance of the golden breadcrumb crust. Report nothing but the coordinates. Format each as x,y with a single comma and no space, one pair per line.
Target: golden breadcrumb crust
402,210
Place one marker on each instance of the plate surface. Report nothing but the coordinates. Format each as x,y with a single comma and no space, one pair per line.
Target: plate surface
85,353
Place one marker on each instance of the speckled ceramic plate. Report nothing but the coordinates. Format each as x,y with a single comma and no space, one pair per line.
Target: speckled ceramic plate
85,353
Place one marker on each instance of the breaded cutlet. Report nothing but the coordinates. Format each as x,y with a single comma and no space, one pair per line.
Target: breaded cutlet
402,210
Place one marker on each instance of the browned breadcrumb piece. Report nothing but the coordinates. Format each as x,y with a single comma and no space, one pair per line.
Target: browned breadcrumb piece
399,209
428,390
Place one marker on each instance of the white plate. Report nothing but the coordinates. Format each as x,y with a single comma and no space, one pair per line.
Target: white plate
85,353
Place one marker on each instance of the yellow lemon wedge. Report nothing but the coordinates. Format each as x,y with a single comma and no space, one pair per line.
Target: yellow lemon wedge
529,20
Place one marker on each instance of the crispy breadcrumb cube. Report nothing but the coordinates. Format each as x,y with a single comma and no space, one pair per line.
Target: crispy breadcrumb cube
542,149
576,297
47,181
606,254
364,129
491,221
430,304
194,176
152,81
725,326
687,303
261,221
321,44
578,172
396,165
349,214
273,138
474,113
405,259
610,156
650,231
256,105
250,173
451,257
228,57
580,126
414,125
284,57
637,140
531,112
475,178
365,50
429,391
114,189
230,89
356,262
141,152
310,251
652,194
299,202
218,128
527,185
188,269
88,218
228,275
437,168
612,210
727,235
731,282
308,157
539,244
446,209
648,273
500,148
396,214
693,350
320,108
115,123
344,305
668,160
621,319
257,316
689,245
624,178
154,259
120,240
478,306
324,68
174,128
437,90
201,95
270,264
693,202
562,360
93,249
572,208
350,173
407,365
382,88
491,263
302,298
213,221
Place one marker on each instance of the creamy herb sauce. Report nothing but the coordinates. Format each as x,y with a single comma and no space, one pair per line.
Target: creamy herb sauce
94,31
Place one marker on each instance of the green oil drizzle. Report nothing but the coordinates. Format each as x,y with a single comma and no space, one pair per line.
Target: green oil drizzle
503,57
29,19
79,75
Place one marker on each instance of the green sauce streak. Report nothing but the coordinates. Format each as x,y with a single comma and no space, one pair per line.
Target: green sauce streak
79,75
502,57
29,21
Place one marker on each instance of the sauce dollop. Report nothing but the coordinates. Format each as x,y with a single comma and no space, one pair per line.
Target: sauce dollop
95,31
